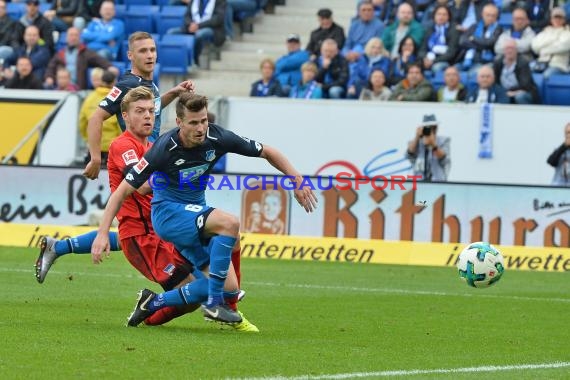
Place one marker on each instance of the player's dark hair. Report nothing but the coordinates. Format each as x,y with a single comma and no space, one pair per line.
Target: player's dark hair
191,102
134,95
136,36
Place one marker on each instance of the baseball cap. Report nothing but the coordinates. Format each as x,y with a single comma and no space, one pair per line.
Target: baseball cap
33,2
324,13
293,37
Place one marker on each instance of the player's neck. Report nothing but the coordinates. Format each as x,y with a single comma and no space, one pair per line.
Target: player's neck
146,76
140,138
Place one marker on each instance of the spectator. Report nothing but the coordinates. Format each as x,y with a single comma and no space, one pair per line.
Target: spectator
553,45
538,12
327,29
103,81
362,29
89,9
34,49
407,54
415,88
376,88
64,13
387,13
469,13
63,80
374,57
487,91
34,17
515,75
106,34
479,40
427,17
307,88
441,43
521,32
333,71
288,67
403,27
234,7
24,78
76,58
453,90
204,19
267,85
6,32
560,161
429,153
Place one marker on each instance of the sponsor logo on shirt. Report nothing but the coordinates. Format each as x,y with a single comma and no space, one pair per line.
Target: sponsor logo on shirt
130,157
113,95
141,165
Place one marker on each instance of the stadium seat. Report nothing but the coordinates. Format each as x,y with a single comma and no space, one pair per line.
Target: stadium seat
171,61
469,81
539,81
120,11
122,66
557,90
128,3
437,81
45,7
15,10
185,39
170,16
506,20
140,18
61,41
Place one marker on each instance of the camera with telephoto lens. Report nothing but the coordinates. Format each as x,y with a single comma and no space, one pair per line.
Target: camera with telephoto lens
427,130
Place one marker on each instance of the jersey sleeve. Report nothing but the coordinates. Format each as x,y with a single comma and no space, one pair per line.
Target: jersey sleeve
233,143
141,172
112,102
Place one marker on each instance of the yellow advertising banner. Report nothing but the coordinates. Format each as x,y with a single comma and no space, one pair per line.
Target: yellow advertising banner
283,247
18,119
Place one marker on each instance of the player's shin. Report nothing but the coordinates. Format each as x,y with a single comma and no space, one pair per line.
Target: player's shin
82,244
220,256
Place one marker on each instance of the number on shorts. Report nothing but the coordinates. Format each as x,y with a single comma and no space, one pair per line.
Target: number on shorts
193,208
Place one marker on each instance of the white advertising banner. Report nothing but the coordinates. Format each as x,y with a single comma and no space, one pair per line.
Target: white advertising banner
445,212
371,137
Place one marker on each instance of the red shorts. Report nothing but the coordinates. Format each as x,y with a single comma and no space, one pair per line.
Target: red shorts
157,260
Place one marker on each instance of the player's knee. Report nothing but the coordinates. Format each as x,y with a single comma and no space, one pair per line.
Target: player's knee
232,225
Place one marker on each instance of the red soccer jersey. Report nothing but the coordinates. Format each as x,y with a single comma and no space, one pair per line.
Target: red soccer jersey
134,215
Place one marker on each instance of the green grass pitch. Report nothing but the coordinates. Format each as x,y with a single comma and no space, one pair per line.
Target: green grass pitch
321,320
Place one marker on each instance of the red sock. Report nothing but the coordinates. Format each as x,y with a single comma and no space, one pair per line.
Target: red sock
232,302
236,257
164,315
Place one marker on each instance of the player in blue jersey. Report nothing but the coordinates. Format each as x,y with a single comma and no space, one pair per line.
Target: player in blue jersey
142,54
181,159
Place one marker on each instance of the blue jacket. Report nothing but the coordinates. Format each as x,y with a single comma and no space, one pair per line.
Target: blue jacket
39,56
288,67
497,94
310,90
97,35
360,33
361,70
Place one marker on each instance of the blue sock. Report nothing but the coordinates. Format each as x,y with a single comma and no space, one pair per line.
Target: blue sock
194,292
220,256
82,243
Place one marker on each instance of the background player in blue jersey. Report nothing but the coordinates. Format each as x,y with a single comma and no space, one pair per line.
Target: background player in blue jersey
180,159
142,54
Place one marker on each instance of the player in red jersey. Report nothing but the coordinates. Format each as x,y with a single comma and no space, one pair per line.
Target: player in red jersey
157,260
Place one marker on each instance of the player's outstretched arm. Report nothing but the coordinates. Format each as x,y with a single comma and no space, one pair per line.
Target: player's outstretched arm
174,92
304,195
101,242
94,128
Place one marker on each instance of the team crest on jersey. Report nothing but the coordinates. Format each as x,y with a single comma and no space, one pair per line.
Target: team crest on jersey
210,155
245,139
169,269
130,157
141,166
113,95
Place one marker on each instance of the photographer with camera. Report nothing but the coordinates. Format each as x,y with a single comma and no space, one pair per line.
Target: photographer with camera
429,153
560,161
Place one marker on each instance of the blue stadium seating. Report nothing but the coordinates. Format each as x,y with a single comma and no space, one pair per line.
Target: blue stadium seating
186,39
171,61
557,90
170,16
128,3
61,41
140,18
122,66
506,20
120,11
15,10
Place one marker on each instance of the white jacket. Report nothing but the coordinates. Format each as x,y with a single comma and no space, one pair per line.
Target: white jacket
553,46
523,43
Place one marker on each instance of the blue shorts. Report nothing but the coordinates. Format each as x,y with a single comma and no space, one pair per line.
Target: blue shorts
183,226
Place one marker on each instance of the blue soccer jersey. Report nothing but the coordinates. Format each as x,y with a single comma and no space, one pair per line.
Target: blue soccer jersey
112,102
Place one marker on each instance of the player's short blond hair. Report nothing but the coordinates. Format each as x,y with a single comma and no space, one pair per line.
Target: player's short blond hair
136,36
134,95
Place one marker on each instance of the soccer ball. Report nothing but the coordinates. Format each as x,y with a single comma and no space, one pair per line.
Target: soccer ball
480,265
